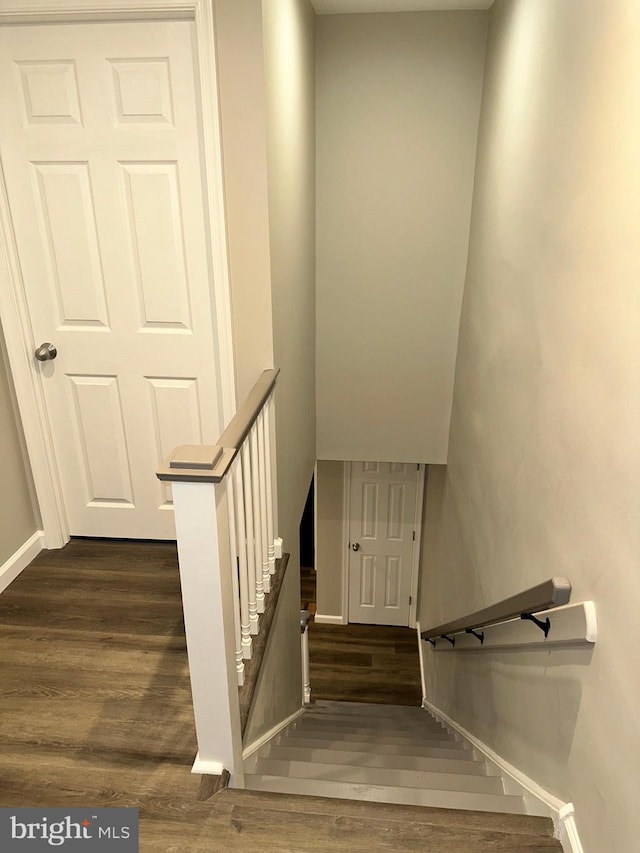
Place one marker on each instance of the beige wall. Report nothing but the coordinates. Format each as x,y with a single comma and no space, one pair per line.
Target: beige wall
329,537
238,25
398,100
266,70
18,519
544,460
289,39
288,29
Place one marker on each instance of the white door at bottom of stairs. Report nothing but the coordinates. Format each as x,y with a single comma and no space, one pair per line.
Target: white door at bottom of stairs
381,541
100,148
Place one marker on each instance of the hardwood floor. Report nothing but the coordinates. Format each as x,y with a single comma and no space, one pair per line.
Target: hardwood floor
364,663
95,703
360,663
95,710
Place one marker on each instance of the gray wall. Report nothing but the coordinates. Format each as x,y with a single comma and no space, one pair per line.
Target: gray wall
398,101
329,537
544,460
18,519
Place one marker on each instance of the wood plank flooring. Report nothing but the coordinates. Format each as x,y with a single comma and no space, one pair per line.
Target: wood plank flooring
360,663
95,710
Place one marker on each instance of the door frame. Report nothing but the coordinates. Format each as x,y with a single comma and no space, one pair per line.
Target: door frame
415,554
14,313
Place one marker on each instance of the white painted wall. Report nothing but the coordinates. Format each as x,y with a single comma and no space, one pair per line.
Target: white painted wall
398,100
543,476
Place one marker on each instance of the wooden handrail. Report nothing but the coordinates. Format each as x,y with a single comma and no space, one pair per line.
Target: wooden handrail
199,463
554,592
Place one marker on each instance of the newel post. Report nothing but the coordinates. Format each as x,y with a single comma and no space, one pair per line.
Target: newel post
206,578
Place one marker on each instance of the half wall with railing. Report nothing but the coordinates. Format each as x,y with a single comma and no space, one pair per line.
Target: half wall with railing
225,506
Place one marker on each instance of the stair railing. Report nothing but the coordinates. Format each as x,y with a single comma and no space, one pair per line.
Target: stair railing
554,592
224,499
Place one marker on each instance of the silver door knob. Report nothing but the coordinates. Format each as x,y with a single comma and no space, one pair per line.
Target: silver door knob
46,352
356,546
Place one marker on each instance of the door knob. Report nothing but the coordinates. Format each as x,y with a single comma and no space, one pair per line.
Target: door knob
356,546
46,352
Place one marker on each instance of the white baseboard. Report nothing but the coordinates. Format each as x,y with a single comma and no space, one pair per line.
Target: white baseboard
21,558
329,620
537,800
265,738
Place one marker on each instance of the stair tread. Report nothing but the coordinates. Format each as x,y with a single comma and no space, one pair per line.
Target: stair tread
463,819
409,712
374,737
446,750
371,722
364,707
388,794
374,759
384,776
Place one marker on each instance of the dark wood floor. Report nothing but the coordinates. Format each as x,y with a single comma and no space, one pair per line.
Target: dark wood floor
360,663
364,663
95,710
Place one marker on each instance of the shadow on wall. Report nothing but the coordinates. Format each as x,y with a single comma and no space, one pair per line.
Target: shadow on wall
525,695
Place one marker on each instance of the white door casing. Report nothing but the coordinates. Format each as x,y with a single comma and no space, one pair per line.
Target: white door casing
383,537
101,159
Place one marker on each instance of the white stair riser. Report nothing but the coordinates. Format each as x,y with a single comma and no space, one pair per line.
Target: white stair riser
380,776
375,759
387,794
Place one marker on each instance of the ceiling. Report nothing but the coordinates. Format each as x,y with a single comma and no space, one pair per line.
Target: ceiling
338,7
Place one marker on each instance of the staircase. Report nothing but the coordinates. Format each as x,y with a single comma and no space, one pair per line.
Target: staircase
379,753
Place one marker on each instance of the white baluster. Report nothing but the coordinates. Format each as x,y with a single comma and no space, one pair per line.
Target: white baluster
266,424
233,551
251,554
263,503
245,628
257,533
304,639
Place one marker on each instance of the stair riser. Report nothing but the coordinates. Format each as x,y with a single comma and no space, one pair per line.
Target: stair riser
380,776
382,794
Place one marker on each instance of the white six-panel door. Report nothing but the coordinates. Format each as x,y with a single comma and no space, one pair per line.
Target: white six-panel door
381,538
99,144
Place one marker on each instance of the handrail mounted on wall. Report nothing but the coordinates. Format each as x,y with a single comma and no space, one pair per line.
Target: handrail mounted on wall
554,592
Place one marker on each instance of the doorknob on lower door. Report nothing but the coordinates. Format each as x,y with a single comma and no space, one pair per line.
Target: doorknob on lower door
356,546
46,352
